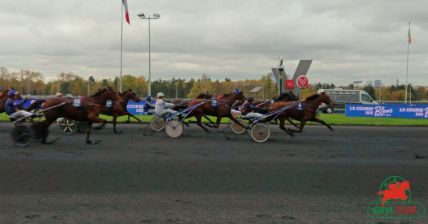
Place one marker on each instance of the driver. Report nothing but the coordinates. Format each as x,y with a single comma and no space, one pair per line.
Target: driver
161,107
13,106
248,107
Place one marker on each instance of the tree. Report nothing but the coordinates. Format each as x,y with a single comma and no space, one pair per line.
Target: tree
370,90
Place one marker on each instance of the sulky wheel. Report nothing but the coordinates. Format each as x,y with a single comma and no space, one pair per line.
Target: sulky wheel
260,132
68,126
174,128
236,128
157,123
21,135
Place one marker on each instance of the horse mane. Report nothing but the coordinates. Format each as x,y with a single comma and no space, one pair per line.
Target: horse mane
99,92
125,92
4,93
288,96
203,96
312,97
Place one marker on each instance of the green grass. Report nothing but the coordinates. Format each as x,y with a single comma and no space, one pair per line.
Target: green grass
333,119
341,119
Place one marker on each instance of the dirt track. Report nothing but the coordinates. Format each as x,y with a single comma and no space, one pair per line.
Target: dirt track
141,177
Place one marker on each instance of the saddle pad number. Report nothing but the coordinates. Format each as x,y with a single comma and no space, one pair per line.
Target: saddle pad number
76,102
214,102
299,106
109,103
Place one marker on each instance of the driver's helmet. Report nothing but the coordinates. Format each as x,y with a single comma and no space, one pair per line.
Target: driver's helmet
250,99
160,94
11,93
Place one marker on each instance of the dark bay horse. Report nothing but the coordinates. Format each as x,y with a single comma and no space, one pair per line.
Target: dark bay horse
222,109
304,112
3,98
120,108
88,110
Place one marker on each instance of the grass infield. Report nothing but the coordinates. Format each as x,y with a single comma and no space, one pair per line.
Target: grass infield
333,119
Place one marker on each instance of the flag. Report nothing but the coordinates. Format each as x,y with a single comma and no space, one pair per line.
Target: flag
125,5
410,36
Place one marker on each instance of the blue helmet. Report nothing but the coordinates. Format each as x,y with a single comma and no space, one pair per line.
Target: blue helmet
237,91
11,93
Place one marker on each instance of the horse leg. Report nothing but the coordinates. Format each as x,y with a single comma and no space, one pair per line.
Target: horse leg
199,122
291,122
91,120
101,126
88,133
114,125
45,131
301,126
211,124
322,122
282,127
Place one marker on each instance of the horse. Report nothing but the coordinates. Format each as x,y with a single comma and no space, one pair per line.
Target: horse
120,109
88,110
222,109
3,99
302,111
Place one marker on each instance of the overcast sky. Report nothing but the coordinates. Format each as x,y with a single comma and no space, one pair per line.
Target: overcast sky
348,40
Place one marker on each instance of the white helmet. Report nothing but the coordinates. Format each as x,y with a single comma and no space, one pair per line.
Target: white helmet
160,94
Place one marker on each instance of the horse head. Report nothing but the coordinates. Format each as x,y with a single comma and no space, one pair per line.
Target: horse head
108,94
130,95
205,95
238,95
326,99
318,99
286,96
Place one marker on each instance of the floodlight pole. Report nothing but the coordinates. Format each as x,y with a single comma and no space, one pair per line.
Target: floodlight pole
155,16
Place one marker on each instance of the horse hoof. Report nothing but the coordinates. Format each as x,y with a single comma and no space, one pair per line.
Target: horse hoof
89,142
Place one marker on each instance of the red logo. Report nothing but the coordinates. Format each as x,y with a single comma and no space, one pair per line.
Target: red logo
395,201
395,191
302,82
289,84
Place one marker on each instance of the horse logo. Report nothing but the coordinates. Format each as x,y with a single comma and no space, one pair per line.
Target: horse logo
395,188
395,201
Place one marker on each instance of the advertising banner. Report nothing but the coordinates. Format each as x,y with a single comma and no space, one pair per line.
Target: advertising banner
419,111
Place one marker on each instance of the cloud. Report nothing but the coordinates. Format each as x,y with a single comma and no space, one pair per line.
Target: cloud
348,40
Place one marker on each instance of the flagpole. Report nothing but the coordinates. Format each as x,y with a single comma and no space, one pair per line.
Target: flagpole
407,66
121,47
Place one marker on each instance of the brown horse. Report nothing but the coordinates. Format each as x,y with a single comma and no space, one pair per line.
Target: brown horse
3,98
88,110
222,109
120,109
302,111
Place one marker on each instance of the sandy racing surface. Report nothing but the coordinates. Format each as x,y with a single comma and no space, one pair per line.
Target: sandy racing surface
144,177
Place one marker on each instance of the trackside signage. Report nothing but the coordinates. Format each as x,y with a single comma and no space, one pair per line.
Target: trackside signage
136,108
419,111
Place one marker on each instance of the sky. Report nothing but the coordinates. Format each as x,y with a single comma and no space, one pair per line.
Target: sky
348,40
